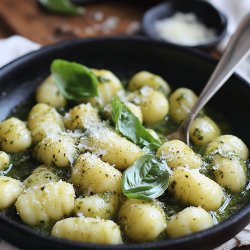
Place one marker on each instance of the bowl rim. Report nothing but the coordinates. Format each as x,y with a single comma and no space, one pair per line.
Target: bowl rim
150,32
243,213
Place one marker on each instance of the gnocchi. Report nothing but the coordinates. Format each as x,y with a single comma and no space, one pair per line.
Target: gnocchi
113,148
203,130
81,116
228,143
49,202
178,154
43,121
4,160
14,136
93,230
80,166
230,172
58,150
181,102
141,220
10,189
109,85
154,105
145,78
92,175
189,220
49,93
196,189
40,176
104,205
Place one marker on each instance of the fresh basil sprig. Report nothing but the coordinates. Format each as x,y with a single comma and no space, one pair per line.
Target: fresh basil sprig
74,80
62,6
146,179
130,127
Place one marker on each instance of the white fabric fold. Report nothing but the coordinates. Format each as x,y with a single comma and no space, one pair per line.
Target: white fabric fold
14,47
234,10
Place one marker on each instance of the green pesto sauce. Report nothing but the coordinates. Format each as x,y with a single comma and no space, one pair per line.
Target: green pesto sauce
233,203
22,164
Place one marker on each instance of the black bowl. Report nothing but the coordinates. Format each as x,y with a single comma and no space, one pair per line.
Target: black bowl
181,67
204,11
82,2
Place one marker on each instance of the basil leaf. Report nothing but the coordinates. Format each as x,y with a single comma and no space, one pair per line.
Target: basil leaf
62,6
130,126
146,179
150,148
74,80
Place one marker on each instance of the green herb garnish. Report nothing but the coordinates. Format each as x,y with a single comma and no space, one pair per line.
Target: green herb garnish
62,6
146,179
130,127
74,80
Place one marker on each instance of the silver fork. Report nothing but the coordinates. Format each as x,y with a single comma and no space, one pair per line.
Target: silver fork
236,51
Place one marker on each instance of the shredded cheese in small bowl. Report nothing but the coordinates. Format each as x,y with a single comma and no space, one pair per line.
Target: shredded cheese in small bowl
192,24
184,29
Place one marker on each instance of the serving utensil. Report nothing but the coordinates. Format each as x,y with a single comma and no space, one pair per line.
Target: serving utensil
236,51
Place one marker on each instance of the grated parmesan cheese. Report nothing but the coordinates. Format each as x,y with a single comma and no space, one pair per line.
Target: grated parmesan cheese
184,29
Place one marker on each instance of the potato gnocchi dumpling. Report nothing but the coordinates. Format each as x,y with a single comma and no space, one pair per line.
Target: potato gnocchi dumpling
49,93
190,220
93,230
59,150
40,176
203,130
120,178
10,189
154,105
14,136
181,102
81,116
92,175
178,154
42,204
43,121
108,87
113,148
230,172
145,78
4,160
193,188
141,220
227,144
104,205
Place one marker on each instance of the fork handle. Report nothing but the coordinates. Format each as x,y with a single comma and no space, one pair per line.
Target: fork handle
237,49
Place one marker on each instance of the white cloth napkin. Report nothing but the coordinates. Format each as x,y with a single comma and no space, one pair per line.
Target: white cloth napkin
234,10
16,46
